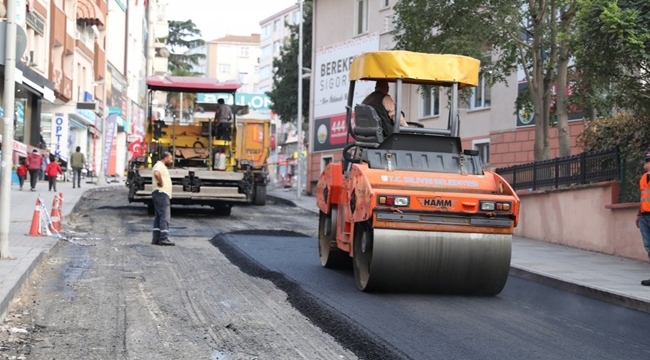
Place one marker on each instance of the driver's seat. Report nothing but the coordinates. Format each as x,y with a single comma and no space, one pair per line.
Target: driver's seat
367,131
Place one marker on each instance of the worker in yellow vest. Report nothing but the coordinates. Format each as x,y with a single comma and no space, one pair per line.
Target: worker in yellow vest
643,218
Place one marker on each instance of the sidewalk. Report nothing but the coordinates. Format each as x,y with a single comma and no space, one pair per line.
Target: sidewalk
27,251
606,277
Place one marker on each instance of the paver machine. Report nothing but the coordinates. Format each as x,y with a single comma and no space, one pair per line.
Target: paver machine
411,209
217,165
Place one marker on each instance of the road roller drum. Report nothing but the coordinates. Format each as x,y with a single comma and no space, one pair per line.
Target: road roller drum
387,260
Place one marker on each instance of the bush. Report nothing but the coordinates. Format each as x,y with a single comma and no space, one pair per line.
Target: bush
631,134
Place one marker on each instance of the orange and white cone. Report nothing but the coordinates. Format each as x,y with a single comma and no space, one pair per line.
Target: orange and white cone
35,230
61,206
55,217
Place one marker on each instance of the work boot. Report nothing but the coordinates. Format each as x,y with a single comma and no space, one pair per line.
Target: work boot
645,282
155,242
166,242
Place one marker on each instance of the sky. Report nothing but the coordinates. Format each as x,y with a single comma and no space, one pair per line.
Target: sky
216,18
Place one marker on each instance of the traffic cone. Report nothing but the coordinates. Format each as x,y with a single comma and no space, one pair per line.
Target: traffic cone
55,217
35,230
61,206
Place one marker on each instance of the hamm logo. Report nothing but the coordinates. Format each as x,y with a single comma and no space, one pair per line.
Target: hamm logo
437,202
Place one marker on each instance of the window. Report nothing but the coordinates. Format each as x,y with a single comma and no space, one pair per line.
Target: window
265,72
481,95
276,47
384,4
324,161
266,32
266,51
223,68
483,147
286,20
389,21
296,18
243,51
430,103
361,25
276,26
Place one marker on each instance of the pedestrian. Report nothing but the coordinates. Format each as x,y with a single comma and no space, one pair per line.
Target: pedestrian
643,217
161,196
77,162
34,163
21,171
52,170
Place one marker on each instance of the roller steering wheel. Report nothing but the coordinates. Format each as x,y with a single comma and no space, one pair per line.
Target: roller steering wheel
418,125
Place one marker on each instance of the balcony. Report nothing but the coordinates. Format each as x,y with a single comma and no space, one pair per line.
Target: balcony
57,25
99,64
66,87
160,65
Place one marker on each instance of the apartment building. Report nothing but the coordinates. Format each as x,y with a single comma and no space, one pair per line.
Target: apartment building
343,29
66,85
274,33
234,57
34,83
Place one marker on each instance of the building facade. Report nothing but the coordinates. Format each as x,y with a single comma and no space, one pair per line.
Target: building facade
344,29
274,33
69,93
234,57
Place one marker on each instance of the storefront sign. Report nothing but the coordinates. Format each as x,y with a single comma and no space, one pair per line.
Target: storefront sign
111,131
60,128
255,102
332,83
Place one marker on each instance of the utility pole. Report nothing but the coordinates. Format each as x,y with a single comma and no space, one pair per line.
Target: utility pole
8,128
299,120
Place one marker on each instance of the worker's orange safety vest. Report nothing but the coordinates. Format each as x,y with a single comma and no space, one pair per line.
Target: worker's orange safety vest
644,185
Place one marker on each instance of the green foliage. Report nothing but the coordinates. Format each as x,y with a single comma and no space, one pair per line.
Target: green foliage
284,96
476,28
614,55
631,134
183,35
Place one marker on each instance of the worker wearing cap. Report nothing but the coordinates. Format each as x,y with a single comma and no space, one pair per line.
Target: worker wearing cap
643,218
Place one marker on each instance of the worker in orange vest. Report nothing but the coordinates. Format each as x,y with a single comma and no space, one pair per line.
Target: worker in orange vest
643,218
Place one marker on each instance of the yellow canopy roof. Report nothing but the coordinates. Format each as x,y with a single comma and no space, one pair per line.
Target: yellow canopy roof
418,68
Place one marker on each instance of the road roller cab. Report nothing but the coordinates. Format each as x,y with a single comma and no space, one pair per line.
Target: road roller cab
413,211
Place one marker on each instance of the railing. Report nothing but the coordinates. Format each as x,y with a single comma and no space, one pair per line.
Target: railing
585,168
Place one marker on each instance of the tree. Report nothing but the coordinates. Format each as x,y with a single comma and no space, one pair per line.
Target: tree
615,53
183,35
284,96
504,34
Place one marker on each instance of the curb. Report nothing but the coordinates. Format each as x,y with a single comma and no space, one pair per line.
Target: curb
9,297
580,289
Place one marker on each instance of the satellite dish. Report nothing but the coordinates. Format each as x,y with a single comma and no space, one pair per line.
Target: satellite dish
163,52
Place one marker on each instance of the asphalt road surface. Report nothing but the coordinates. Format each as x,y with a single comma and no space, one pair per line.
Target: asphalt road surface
250,286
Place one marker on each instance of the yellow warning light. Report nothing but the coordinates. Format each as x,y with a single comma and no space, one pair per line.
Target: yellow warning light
382,200
506,206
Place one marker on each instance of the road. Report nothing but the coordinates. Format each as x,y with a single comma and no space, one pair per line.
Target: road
250,286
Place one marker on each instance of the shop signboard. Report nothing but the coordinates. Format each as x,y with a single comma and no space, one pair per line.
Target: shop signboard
60,129
332,83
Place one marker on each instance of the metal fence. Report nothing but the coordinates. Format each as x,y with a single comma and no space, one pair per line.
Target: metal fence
585,168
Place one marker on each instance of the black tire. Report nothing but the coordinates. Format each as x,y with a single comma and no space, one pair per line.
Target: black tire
260,195
331,256
363,244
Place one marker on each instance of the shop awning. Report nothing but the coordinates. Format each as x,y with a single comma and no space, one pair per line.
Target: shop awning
89,14
18,147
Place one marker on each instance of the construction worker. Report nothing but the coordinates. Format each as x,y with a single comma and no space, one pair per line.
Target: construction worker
161,196
643,217
384,105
